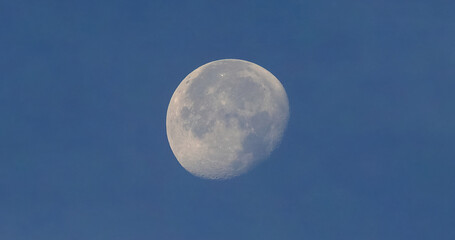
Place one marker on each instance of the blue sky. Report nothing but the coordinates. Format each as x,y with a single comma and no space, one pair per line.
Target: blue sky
368,152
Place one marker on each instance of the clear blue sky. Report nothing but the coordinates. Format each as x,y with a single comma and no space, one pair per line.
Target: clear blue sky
369,152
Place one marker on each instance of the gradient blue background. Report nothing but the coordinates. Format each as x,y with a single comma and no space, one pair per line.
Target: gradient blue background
369,152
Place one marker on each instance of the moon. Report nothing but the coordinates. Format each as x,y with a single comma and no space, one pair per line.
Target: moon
225,117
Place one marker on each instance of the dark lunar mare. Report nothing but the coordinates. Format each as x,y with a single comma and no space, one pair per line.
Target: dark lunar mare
200,118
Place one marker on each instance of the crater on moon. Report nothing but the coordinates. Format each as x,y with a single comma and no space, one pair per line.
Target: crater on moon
225,117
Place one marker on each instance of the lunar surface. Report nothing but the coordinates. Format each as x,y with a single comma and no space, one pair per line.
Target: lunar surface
225,117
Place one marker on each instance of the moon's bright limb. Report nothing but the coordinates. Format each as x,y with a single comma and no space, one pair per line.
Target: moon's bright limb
225,117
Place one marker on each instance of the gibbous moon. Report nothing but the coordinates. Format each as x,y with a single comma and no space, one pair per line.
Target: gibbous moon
225,117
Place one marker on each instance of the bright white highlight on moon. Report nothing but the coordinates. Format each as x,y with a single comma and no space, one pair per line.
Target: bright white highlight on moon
225,117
